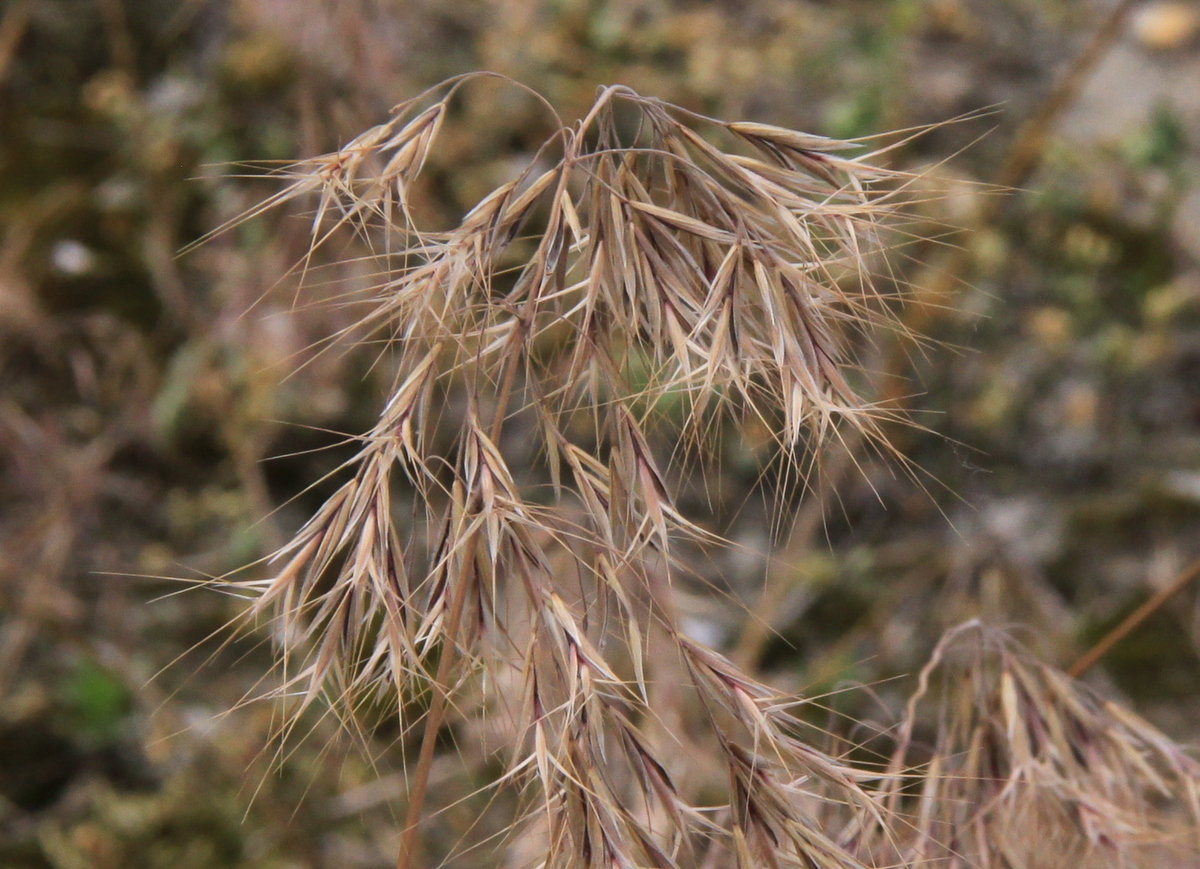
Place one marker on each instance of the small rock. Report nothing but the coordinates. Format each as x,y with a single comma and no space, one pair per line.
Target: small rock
1183,484
1167,25
72,258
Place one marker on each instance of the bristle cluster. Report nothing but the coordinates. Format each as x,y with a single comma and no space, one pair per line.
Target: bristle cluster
633,262
1031,769
723,276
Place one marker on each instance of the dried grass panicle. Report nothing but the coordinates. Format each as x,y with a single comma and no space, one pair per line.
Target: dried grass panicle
1031,769
632,261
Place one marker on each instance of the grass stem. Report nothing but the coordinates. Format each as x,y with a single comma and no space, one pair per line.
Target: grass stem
1135,618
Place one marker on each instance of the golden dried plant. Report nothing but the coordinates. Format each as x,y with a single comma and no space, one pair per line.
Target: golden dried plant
634,263
1030,768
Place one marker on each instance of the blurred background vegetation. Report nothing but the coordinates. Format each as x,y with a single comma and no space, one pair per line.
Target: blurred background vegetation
172,416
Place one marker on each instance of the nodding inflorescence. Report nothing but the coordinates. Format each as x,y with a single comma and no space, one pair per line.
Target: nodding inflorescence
645,257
